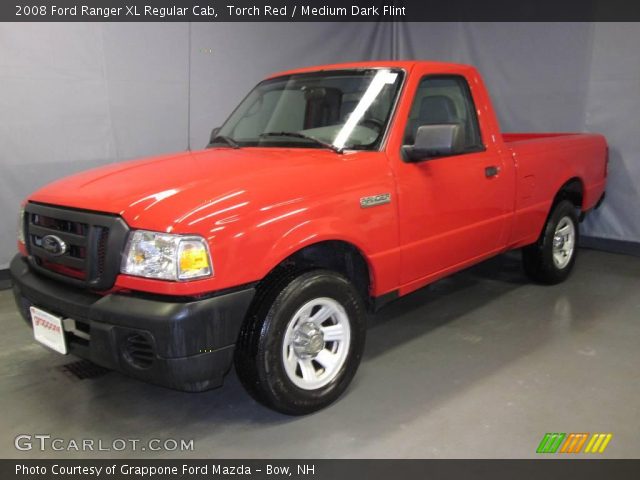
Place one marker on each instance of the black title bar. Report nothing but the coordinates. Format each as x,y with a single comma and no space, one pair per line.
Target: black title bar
317,10
583,469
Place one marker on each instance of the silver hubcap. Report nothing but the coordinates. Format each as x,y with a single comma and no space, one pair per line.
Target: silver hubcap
316,343
564,240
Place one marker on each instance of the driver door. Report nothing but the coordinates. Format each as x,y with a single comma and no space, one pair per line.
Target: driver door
452,209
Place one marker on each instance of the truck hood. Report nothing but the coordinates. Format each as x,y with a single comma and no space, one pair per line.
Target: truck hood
170,192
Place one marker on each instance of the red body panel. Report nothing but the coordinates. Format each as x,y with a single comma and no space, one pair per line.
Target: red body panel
544,162
257,206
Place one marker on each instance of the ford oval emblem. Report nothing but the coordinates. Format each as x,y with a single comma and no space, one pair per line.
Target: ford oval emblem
54,245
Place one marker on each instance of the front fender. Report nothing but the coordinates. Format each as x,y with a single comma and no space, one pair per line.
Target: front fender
382,266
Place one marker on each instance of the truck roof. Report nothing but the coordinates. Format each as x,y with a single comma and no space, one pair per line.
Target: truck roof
404,64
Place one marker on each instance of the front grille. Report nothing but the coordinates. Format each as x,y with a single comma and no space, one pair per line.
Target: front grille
101,254
79,247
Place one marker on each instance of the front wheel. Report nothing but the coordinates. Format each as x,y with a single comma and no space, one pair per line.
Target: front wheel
551,259
299,350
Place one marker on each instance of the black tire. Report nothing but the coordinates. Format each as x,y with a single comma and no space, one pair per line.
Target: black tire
259,358
538,260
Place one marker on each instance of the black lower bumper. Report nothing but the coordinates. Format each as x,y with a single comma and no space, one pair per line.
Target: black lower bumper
182,344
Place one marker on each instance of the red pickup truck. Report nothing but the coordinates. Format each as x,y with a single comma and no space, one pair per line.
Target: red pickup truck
328,192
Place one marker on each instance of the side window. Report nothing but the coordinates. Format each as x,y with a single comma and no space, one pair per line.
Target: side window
445,99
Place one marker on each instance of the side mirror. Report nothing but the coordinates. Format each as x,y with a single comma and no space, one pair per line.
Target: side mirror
214,134
433,141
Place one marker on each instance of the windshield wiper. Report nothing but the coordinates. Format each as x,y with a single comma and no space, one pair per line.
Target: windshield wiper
228,140
306,137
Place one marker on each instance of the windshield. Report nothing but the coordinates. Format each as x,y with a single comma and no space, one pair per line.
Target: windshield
340,109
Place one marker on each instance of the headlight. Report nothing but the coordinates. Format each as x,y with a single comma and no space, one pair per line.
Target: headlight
21,225
166,256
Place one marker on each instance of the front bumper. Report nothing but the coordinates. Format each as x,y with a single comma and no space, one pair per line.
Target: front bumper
182,344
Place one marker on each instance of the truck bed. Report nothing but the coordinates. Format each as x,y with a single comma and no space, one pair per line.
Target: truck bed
524,137
544,161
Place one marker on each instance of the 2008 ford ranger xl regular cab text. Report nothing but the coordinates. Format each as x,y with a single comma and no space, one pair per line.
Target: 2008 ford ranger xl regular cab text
328,192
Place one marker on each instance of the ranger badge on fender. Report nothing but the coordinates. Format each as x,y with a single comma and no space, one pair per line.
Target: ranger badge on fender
374,200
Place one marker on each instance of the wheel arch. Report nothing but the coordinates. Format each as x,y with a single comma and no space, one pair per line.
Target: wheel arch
338,255
572,190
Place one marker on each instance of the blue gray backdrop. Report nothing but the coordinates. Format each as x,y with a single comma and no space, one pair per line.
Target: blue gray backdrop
74,96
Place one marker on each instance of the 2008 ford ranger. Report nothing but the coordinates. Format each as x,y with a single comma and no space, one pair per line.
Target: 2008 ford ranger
328,192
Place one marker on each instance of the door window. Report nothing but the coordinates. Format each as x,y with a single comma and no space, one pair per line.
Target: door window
445,100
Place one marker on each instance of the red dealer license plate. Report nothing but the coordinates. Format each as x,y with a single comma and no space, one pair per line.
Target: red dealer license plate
47,329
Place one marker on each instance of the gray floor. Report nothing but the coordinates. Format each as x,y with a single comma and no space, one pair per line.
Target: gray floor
478,365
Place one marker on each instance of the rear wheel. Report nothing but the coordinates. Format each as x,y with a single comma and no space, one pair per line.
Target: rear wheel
299,350
551,259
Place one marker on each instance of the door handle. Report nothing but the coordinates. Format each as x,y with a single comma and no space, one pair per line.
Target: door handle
491,171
